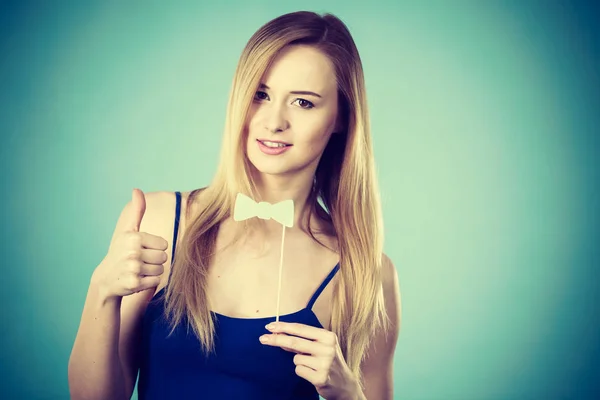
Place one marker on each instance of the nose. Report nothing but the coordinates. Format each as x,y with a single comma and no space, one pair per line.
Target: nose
275,119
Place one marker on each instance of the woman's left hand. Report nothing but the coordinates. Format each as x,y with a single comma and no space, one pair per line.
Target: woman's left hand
319,358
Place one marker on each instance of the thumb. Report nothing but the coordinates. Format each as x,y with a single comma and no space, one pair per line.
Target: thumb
138,202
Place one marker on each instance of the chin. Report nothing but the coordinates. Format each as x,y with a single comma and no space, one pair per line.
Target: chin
270,169
262,164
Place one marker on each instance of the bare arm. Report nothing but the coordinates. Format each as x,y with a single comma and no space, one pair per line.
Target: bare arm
377,368
104,360
94,368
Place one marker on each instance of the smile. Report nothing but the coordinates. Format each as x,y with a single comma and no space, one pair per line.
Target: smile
272,148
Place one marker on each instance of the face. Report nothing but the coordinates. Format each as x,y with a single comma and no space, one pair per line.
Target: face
296,103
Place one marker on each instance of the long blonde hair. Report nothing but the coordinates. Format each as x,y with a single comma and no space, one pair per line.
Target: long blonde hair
345,182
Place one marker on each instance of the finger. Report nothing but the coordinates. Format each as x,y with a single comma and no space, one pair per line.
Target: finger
147,282
290,350
287,348
314,377
150,241
311,362
306,331
138,208
296,344
151,270
151,256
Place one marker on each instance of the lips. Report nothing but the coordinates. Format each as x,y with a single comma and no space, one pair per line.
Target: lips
273,141
272,151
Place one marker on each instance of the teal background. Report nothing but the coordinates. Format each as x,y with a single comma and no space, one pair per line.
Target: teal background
485,125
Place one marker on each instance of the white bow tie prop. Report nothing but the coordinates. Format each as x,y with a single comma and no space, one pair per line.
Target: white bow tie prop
282,212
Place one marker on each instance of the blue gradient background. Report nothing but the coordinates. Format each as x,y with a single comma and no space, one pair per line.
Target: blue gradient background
485,120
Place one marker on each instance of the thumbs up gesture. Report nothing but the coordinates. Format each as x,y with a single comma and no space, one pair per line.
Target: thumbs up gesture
135,259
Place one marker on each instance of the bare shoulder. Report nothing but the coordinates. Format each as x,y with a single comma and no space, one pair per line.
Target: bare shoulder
160,213
391,294
391,286
392,298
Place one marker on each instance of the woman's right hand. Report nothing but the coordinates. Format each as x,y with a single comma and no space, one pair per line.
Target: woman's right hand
135,259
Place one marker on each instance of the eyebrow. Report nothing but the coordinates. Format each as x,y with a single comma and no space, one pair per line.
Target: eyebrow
304,92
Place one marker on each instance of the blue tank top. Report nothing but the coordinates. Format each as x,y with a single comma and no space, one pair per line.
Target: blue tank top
240,368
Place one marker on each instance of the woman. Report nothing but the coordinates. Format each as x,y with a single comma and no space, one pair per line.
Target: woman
192,320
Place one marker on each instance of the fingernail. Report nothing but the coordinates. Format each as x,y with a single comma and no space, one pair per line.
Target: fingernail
271,326
263,339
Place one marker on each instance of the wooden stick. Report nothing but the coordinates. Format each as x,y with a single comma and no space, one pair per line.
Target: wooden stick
280,270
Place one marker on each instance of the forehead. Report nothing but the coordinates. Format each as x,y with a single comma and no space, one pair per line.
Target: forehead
301,67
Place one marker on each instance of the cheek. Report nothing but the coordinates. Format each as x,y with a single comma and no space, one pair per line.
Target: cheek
316,131
251,119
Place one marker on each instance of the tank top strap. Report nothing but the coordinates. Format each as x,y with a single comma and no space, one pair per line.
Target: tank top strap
324,284
175,232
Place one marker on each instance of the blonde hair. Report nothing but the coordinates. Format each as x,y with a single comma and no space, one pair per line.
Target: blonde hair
345,182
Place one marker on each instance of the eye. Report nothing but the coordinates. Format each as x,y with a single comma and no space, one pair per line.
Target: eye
260,95
305,104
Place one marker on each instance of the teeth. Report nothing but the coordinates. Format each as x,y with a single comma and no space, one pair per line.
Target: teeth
273,144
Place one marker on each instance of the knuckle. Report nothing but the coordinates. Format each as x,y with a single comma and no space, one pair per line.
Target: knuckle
133,253
330,352
134,266
134,282
134,239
